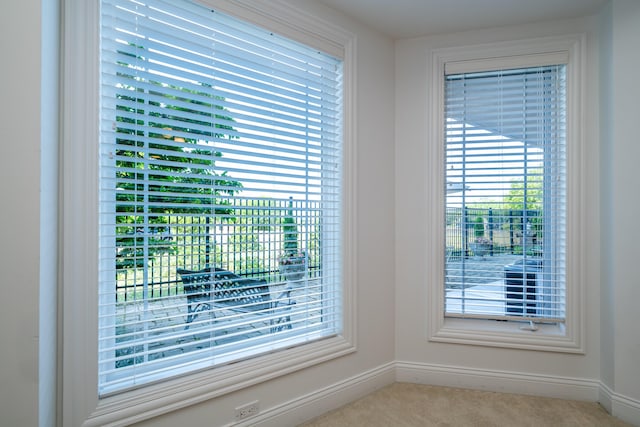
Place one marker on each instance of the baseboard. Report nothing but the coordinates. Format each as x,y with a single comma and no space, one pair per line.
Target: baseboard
314,404
500,381
620,406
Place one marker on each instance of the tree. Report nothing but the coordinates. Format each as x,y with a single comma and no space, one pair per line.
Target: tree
250,238
526,198
516,199
153,183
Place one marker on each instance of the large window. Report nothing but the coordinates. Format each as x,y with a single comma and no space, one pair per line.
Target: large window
220,192
506,193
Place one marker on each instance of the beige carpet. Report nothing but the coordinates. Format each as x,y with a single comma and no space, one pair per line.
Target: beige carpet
409,405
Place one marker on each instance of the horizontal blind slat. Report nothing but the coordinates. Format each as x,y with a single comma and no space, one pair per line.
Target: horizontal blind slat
213,132
505,149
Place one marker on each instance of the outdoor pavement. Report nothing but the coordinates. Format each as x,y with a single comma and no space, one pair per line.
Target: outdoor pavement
485,290
166,318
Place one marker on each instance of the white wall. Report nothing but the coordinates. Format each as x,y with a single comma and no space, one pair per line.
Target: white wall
625,203
621,233
607,305
413,217
19,216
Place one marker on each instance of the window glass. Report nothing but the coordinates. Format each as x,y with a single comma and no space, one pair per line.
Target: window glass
505,174
220,192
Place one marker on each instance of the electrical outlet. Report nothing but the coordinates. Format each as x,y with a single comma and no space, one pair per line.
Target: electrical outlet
248,410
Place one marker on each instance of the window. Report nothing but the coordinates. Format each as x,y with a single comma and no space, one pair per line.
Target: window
221,191
507,123
506,193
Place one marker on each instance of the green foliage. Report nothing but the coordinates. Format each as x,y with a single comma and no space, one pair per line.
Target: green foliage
528,198
516,199
253,220
163,168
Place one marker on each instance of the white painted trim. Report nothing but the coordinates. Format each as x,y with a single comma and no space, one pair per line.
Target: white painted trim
590,390
619,406
79,189
498,381
350,191
78,169
570,336
319,402
158,399
280,17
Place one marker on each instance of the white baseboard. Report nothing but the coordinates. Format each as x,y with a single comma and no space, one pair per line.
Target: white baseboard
336,395
500,381
620,406
321,401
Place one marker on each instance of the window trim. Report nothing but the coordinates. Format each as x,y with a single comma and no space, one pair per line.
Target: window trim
79,228
567,337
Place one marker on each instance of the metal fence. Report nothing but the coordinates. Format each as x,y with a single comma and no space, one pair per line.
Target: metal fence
248,240
501,230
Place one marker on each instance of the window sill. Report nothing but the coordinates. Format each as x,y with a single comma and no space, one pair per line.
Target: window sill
156,399
505,334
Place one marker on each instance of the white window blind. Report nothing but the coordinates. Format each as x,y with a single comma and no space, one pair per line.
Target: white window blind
505,229
220,192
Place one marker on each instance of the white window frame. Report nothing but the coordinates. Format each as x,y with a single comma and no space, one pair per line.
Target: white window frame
561,337
79,180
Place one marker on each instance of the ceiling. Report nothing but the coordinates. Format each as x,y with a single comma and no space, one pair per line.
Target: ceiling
412,18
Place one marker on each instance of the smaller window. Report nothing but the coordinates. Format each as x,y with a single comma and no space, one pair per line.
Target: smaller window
509,264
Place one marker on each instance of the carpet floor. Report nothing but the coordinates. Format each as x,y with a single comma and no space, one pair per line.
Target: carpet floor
409,405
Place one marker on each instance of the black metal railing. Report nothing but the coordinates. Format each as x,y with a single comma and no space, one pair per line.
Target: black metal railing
505,230
247,241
